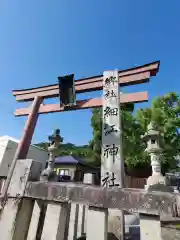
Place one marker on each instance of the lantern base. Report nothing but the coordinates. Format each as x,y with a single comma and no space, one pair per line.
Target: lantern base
155,179
48,175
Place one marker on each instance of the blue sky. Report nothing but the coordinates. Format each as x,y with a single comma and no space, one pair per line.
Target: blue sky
43,39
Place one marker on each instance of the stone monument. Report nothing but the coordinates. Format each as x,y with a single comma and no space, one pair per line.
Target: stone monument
49,174
153,139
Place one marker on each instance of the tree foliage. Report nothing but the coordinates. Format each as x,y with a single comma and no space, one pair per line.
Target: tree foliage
165,113
132,131
70,149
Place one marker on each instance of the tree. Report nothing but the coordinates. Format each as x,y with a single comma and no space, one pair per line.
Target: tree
132,144
69,149
165,113
95,143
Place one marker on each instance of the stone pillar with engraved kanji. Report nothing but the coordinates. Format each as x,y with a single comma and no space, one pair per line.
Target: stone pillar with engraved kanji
110,154
112,165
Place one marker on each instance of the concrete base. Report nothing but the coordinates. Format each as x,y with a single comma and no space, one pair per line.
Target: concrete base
114,223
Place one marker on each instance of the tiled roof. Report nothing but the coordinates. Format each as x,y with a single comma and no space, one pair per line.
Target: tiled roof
69,159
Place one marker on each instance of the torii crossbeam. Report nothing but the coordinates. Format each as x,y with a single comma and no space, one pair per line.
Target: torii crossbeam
127,77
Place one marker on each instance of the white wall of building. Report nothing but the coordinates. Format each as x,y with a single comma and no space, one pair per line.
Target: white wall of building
8,147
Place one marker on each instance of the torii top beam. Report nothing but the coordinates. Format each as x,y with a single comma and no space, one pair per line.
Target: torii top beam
136,75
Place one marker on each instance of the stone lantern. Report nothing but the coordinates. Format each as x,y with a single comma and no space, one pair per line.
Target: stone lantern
55,141
153,139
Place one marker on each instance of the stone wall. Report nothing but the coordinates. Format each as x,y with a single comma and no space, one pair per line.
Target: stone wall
170,231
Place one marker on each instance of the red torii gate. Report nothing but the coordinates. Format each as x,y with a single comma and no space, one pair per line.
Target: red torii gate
136,75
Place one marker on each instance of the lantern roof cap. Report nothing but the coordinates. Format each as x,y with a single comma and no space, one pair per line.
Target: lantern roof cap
151,131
